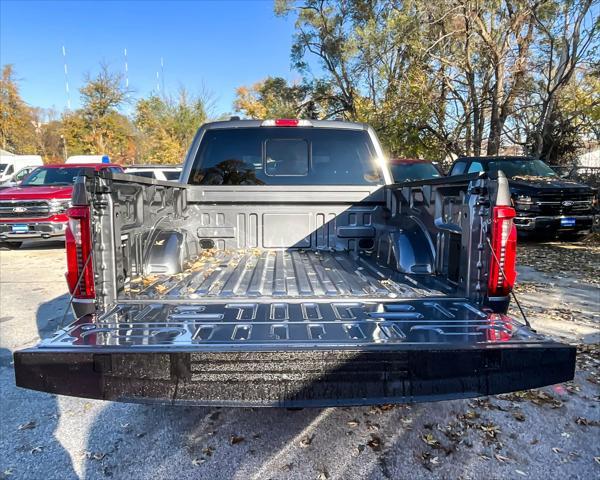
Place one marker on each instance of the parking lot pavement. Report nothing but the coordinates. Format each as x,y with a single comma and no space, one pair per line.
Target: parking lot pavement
547,433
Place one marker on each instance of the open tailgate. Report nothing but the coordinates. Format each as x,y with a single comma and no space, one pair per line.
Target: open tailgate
293,354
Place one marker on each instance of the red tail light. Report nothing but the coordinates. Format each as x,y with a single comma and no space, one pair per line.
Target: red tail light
503,271
80,269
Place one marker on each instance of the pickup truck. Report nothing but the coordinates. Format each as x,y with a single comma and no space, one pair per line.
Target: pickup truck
545,203
286,269
37,207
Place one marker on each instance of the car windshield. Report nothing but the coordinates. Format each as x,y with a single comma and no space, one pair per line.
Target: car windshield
52,176
285,156
522,168
409,172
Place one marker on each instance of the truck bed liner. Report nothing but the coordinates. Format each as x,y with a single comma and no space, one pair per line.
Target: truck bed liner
251,273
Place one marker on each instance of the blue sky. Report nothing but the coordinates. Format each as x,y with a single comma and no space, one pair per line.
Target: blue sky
216,44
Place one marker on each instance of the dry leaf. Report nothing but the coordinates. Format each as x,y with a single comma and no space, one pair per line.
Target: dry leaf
353,423
306,441
430,440
519,416
323,475
501,458
198,461
235,439
28,425
374,443
208,451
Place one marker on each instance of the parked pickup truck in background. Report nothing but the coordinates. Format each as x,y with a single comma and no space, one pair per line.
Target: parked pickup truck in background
286,269
545,203
37,208
412,169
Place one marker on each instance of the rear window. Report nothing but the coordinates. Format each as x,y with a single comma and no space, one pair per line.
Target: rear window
285,156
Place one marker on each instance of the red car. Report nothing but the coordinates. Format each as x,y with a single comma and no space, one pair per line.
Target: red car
413,169
37,207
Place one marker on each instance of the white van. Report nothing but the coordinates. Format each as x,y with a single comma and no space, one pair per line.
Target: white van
157,172
12,164
88,159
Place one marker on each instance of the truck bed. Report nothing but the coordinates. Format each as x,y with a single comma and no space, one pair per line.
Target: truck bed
289,274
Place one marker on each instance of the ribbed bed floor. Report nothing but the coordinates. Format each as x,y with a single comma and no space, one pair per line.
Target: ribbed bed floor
255,273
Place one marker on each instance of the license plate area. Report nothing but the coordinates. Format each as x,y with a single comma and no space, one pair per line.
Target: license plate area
20,228
567,222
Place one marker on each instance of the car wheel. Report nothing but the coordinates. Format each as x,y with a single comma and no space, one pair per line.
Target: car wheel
11,245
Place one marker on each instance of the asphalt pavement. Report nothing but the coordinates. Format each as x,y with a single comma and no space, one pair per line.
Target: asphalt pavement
547,433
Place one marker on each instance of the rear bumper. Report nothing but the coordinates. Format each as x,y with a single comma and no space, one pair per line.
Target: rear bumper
34,229
556,223
295,378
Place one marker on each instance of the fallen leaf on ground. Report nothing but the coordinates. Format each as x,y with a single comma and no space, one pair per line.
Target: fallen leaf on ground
306,441
198,461
375,443
28,425
519,416
430,440
501,458
235,439
323,475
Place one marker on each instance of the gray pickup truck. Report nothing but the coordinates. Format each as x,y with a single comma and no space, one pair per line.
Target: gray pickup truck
286,269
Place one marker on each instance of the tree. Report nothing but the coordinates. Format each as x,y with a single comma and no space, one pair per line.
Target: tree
98,127
167,125
447,77
17,130
274,98
564,46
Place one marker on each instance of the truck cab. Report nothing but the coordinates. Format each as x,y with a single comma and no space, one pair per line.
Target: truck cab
545,203
36,209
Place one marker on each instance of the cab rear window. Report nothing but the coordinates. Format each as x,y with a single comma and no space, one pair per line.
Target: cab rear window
285,156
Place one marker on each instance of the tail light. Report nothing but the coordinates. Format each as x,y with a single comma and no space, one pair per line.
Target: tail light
503,270
80,268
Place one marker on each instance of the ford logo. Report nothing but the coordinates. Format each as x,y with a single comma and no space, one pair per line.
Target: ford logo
567,203
19,209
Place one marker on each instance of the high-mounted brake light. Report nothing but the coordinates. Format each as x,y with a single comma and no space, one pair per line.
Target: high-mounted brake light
286,122
80,269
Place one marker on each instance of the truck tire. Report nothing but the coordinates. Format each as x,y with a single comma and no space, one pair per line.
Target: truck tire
11,245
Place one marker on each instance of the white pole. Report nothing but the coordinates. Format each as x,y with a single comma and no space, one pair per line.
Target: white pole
64,52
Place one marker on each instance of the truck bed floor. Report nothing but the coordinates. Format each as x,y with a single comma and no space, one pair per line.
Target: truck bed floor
252,273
